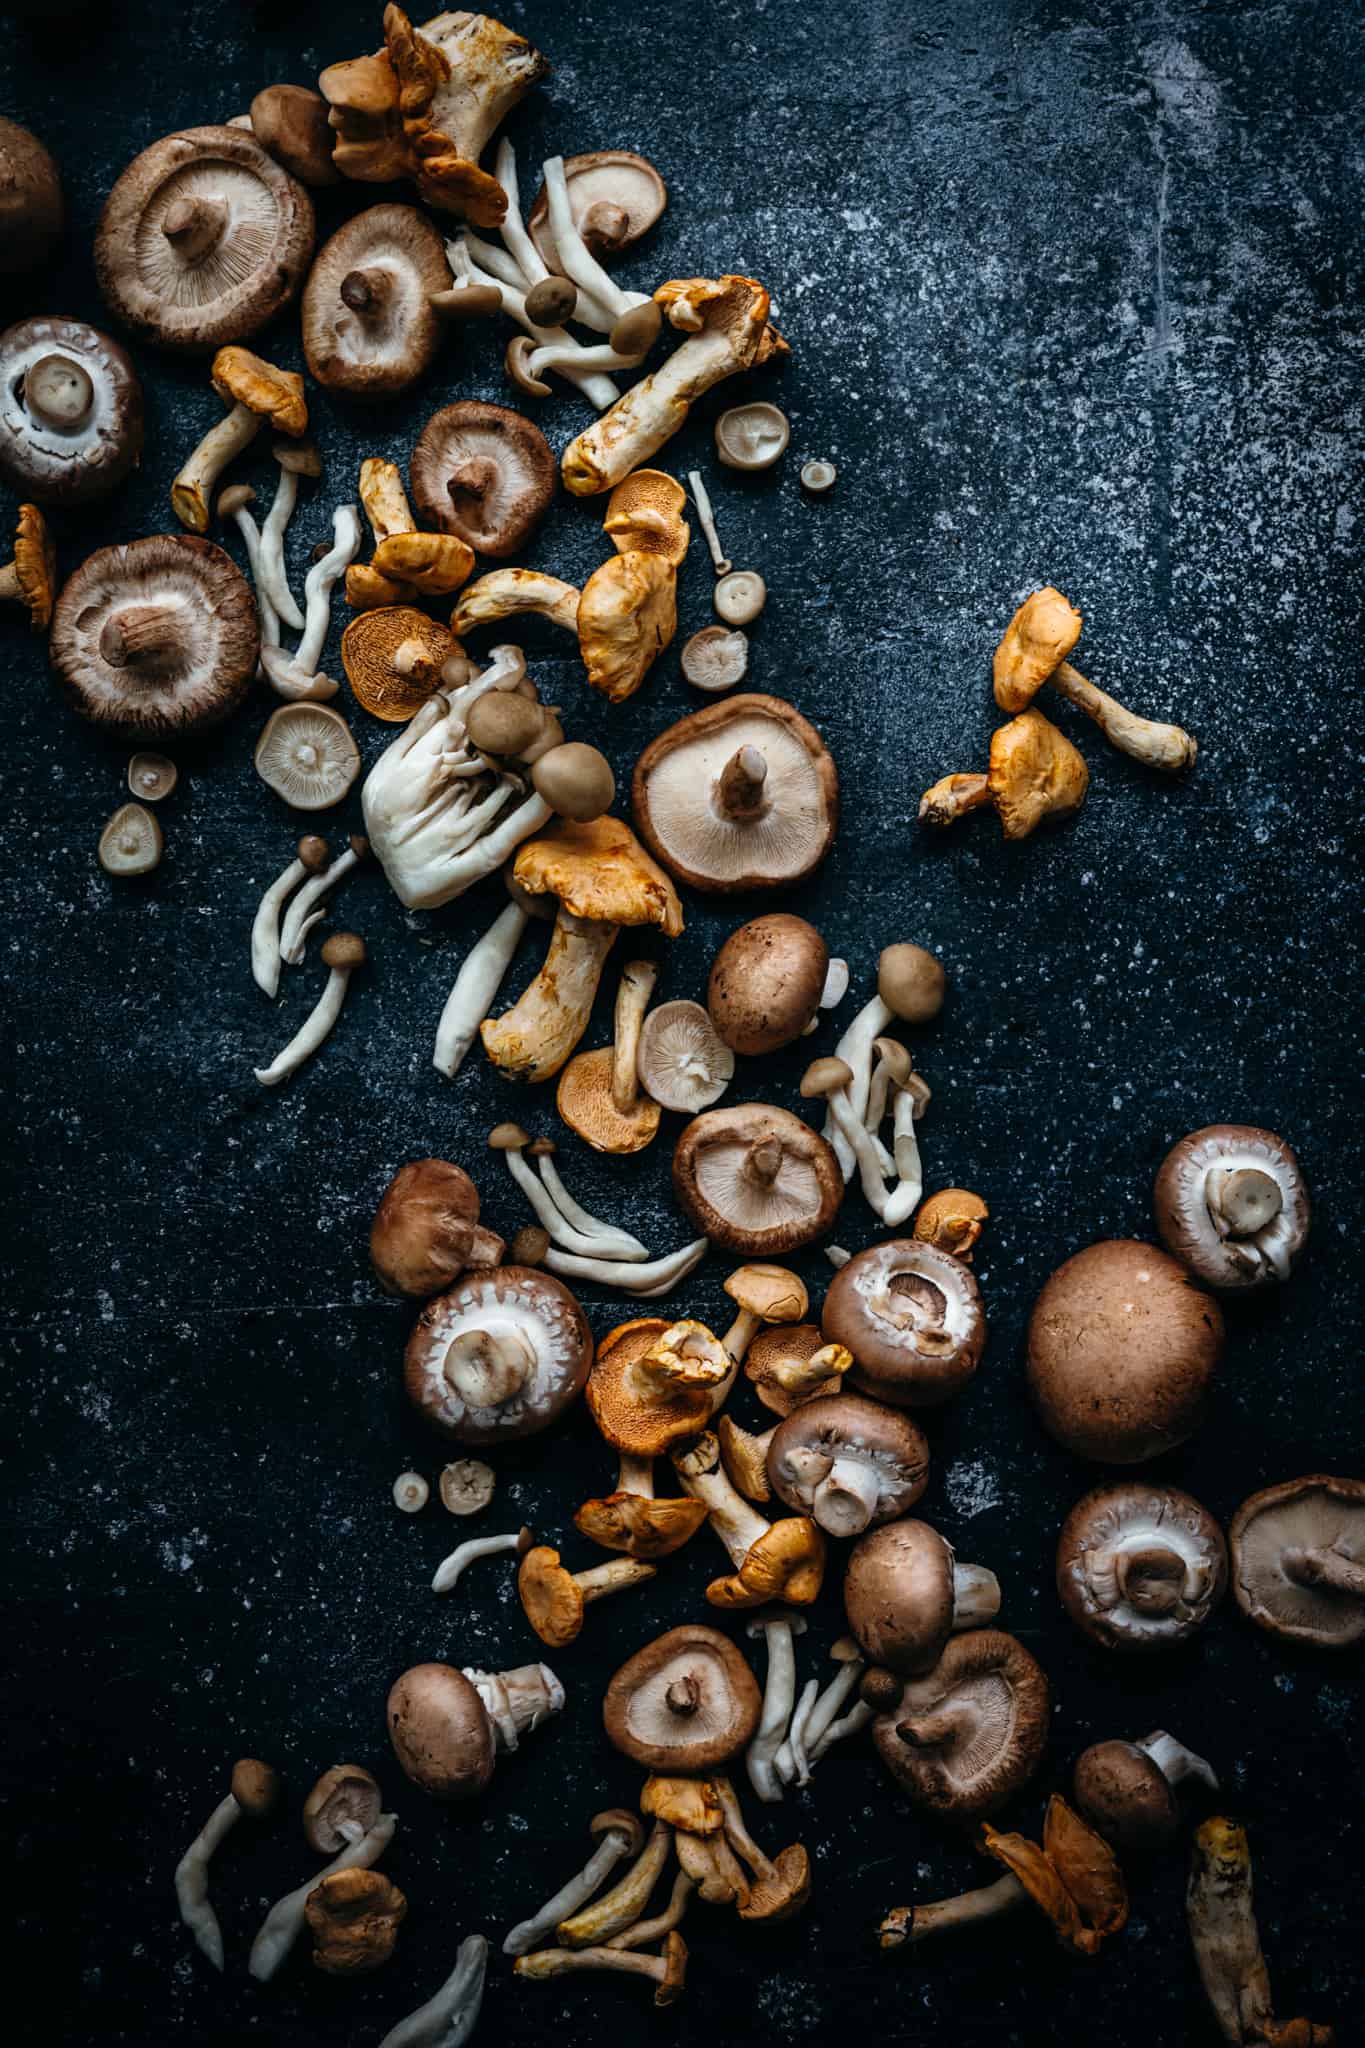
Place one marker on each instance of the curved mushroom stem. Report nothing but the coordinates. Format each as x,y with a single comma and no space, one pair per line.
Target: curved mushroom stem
516,1701
791,1762
615,1844
192,491
904,1198
233,505
633,997
617,1575
450,1568
562,1962
560,355
536,1036
740,787
487,1367
737,1834
968,1909
937,1730
146,637
618,1244
273,577
952,797
622,1906
1326,1567
476,987
266,959
845,1500
596,1242
192,1880
649,1282
472,263
778,1629
284,1923
1168,747
816,1729
976,1596
312,1032
706,518
1241,1200
859,1716
194,226
299,919
644,1931
1176,1763
385,500
448,2019
855,1049
702,1476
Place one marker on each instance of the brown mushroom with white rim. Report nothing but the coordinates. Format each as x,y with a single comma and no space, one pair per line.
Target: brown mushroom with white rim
1122,1351
1140,1566
616,1835
502,1355
766,983
131,842
615,197
848,1463
740,795
256,395
1033,651
291,122
1298,1561
1231,1204
913,1319
307,756
1034,774
485,473
554,1599
426,1230
961,1738
32,212
1127,1790
448,1727
155,639
687,1702
905,1593
368,325
254,1790
755,1179
681,1062
344,1804
203,239
70,411
773,1561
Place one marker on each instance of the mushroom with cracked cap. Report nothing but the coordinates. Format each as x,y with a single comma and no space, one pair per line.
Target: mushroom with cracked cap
961,1738
448,2019
616,1835
627,615
256,395
466,1486
1140,1566
502,1355
912,1317
368,325
291,122
1034,773
599,1094
452,1568
905,1594
342,954
685,1703
131,842
32,211
354,1917
644,515
766,983
773,1561
848,1463
1227,1943
285,1921
1231,1205
1298,1561
29,578
448,1728
70,411
715,659
485,473
307,756
666,1971
755,1179
1034,650
951,1221
682,1063
554,1599
615,198
342,1807
254,1789
426,1230
1126,1790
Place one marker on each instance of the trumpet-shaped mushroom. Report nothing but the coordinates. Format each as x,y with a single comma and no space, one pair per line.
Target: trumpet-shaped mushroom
619,1908
368,324
449,1570
484,473
256,394
1035,773
848,1463
341,1809
448,1728
500,1356
779,1628
554,1599
1033,651
667,1971
756,1180
1298,1561
70,411
475,989
627,615
905,1594
1126,1790
682,1062
616,1835
778,1561
1231,1205
913,1319
1140,1566
449,2018
685,1703
266,958
1227,1943
341,955
354,1917
285,1921
254,1790
961,1738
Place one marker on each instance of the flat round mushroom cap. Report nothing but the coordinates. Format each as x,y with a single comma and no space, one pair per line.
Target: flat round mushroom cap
1140,1566
681,1062
766,982
965,1736
879,1459
627,1420
440,1732
538,1318
1122,1349
1040,636
203,239
369,327
485,473
70,411
345,1794
686,1702
1125,1797
32,213
721,828
1231,1205
898,1591
755,1179
1298,1560
913,1318
156,638
615,198
307,756
423,1229
752,436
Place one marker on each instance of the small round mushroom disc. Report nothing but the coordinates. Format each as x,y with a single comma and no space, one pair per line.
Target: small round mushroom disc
368,647
752,436
68,461
307,756
686,1702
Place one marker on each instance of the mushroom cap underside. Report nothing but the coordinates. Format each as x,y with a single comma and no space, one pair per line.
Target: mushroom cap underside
1186,1224
756,1179
995,1699
485,473
686,1702
368,323
536,1311
913,1318
68,461
1317,1517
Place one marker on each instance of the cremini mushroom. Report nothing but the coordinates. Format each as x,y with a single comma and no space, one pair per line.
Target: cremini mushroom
342,954
448,1727
285,1921
1034,773
682,1063
485,473
961,1738
766,983
499,1356
519,1542
615,1835
368,325
740,795
1298,1561
627,615
913,1319
448,2019
307,756
1140,1566
342,1807
755,1179
32,212
1127,1790
310,858
599,1094
152,777
1231,1205
354,1917
777,1561
1122,1351
848,1463
554,1599
503,593
254,1789
156,638
70,411
1227,1943
911,982
131,842
615,197
952,1221
1034,650
685,1703
256,395
752,437
291,122
467,1486
715,659
410,1493
30,577
905,1592
426,1230
666,1971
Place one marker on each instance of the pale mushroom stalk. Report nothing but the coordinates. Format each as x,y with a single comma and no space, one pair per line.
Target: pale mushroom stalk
778,1630
817,1731
562,1962
620,1243
1227,1942
476,986
633,997
614,1845
284,1923
1157,745
464,1554
649,1282
266,958
701,498
575,258
635,1474
316,1028
622,1906
737,1834
791,1762
1176,1763
945,1916
220,446
585,1244
522,264
859,1716
645,1931
192,1880
296,676
855,1050
448,2019
564,355
542,1028
233,505
300,916
466,258
833,1078
903,1200
838,1255
702,1475
516,1701
274,576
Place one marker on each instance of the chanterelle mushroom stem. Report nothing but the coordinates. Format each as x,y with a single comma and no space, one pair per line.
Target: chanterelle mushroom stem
450,1568
952,797
943,1916
618,1835
665,1971
341,955
1168,747
448,2019
622,1906
284,1923
1227,1942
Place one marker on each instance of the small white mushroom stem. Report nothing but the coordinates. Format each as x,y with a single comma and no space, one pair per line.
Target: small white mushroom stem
516,1701
1326,1567
649,1282
284,1923
623,1245
823,1715
476,987
1168,747
617,1575
246,525
645,1931
635,1475
701,498
488,1367
562,1962
448,2019
273,574
588,1244
320,582
779,1629
855,1050
265,927
192,1880
968,1909
1176,1763
737,1834
702,1475
222,444
791,1762
859,1716
614,1845
633,996
976,1596
487,855
1241,1199
874,1162
450,1568
471,260
512,227
312,1033
560,355
622,1906
299,918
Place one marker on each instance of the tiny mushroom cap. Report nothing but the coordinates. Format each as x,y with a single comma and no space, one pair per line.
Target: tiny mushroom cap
551,301
410,1493
344,1804
32,213
345,950
848,1463
354,1916
393,657
755,1179
152,777
203,238
716,658
766,983
627,616
1140,1566
739,597
255,1786
131,842
905,1593
502,1355
818,476
640,1410
681,1062
485,473
1231,1205
1127,1790
441,1732
1122,1351
913,1318
368,324
615,198
70,411
774,1355
1298,1561
911,982
1040,635
952,1220
752,436
686,1702
742,794
426,1230
585,1101
574,779
155,638
291,122
963,1737
307,756
467,1486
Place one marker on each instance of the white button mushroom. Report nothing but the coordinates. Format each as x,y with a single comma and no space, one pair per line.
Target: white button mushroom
410,1492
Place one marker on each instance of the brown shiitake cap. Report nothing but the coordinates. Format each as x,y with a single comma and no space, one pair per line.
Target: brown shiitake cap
345,1793
70,411
423,1229
516,1300
1231,1204
686,1702
645,512
368,324
766,982
755,1179
35,566
354,1916
952,1221
639,1527
155,638
1040,636
615,198
1140,1566
485,473
291,122
913,1318
1035,773
627,616
798,1341
393,657
626,1421
911,982
32,213
255,1786
713,833
574,779
599,871
1298,1560
966,1735
681,1062
1126,1797
882,1448
440,1732
203,239
584,1100
307,756
1122,1350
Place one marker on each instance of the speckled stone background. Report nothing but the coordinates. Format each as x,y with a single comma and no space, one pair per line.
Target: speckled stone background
1072,294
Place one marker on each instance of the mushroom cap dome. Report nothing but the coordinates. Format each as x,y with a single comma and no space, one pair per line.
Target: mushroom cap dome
898,1593
440,1731
1186,1195
68,461
766,983
912,1317
1125,1796
32,210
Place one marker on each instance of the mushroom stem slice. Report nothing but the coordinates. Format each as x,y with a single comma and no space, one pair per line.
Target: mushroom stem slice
475,990
284,1923
448,2019
615,1844
1168,747
622,1906
633,997
192,1880
968,1909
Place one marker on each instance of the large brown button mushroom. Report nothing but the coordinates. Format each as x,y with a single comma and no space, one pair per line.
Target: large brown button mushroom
501,1356
426,1230
70,411
203,239
1232,1206
368,324
686,1702
740,795
912,1317
354,1916
485,473
1122,1349
1139,1566
615,198
157,638
755,1179
962,1738
1298,1561
905,1593
848,1463
1126,1790
766,983
32,213
449,1727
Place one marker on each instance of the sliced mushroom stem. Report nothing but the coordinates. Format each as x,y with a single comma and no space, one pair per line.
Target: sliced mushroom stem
1167,747
622,1906
943,1916
633,997
194,225
742,784
1326,1568
738,1525
701,498
147,637
476,987
536,1036
284,1923
952,797
59,392
464,1554
615,1844
650,1281
313,1032
448,2019
779,1631
192,1880
192,492
1176,1763
274,578
622,1246
266,958
299,917
645,1931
